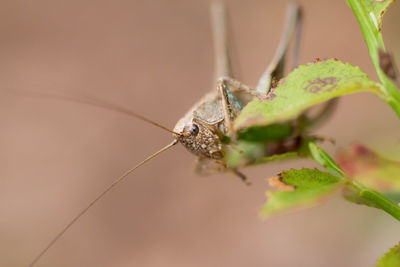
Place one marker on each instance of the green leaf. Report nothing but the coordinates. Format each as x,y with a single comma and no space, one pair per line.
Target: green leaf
390,259
324,159
278,157
298,189
242,153
372,170
245,153
248,153
376,9
262,134
369,14
303,88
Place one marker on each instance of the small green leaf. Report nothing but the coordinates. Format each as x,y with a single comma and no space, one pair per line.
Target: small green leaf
242,153
262,134
372,170
277,157
245,153
376,9
249,153
390,259
324,159
299,189
303,88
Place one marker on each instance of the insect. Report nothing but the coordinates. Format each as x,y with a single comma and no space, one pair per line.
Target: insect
206,129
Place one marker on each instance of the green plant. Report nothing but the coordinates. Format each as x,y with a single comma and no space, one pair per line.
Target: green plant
363,176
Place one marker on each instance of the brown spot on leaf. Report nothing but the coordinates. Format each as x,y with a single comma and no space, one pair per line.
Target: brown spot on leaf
321,85
271,95
363,151
387,64
318,59
277,182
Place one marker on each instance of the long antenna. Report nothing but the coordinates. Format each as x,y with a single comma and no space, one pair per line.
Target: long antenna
102,104
100,196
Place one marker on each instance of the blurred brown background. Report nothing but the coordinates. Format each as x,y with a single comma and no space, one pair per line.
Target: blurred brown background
155,57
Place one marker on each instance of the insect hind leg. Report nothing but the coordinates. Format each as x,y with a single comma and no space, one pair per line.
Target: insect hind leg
230,104
275,70
235,85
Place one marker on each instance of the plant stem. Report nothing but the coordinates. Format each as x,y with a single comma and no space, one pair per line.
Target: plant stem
373,38
373,198
353,190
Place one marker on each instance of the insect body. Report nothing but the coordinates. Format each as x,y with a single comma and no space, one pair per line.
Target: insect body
205,126
206,129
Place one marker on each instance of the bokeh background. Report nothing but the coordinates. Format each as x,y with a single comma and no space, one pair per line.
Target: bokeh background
156,58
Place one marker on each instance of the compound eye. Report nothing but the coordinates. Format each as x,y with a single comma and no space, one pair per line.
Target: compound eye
194,130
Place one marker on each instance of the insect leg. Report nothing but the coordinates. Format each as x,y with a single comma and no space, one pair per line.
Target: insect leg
222,62
220,36
205,166
275,69
236,85
223,70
